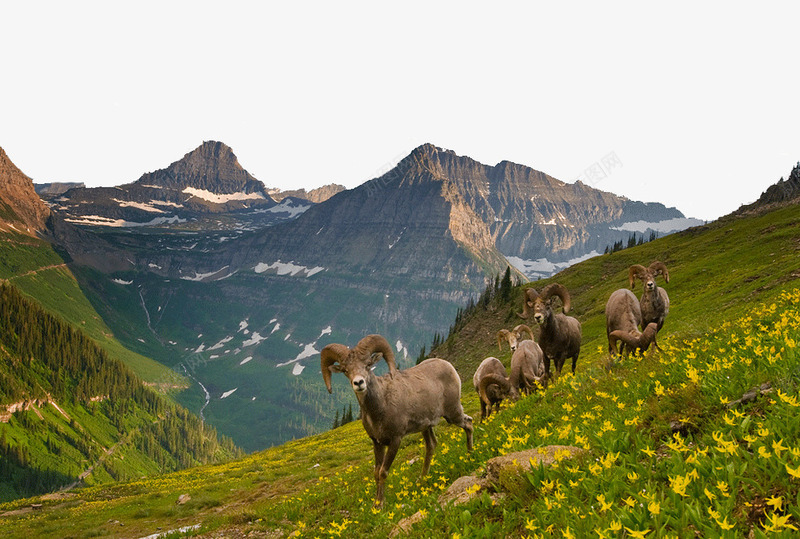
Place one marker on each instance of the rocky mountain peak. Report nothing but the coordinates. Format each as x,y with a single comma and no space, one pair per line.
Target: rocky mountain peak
211,167
19,203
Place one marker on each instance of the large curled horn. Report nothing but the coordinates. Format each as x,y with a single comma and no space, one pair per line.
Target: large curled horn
490,379
528,300
374,343
559,290
659,268
332,353
502,336
635,272
522,327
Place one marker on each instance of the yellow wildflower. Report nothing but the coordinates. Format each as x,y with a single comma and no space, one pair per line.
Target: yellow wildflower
794,472
776,502
654,507
637,534
724,523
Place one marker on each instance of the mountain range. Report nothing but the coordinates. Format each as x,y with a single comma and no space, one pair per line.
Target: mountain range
196,266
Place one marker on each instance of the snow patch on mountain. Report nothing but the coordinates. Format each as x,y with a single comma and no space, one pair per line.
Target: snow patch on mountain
120,281
255,338
664,227
228,393
97,220
286,206
287,268
144,206
224,198
541,268
204,276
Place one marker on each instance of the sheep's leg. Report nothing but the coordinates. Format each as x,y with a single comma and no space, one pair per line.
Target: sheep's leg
430,446
574,362
484,412
379,450
388,453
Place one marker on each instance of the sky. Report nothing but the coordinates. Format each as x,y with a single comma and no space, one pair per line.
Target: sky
691,104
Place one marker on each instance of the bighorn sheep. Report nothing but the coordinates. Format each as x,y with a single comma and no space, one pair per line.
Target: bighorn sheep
397,403
654,302
561,334
494,394
527,364
623,316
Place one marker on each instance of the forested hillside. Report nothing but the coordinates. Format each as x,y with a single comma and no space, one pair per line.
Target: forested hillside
66,408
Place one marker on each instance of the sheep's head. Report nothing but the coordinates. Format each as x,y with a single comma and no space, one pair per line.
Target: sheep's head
356,363
528,301
494,388
543,306
647,275
507,336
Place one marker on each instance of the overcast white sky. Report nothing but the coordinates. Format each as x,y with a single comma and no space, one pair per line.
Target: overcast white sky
698,102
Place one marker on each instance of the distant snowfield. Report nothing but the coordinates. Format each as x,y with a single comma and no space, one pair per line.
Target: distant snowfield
120,281
228,393
222,199
144,206
287,268
98,220
203,276
297,370
664,227
255,338
286,206
246,360
544,268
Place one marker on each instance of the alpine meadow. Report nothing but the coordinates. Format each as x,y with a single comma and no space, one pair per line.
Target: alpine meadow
698,437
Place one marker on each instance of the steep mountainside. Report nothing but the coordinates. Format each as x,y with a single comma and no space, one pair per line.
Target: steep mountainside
206,180
20,206
781,193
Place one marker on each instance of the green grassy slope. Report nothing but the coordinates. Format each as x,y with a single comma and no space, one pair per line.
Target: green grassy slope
734,323
33,267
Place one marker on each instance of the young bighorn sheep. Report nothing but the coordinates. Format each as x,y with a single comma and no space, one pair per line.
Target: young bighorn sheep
561,334
623,316
494,394
527,363
397,403
654,302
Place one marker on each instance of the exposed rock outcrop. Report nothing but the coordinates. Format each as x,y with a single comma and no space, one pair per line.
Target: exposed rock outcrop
20,206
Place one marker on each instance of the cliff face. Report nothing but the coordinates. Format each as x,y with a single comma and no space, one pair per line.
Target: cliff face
20,206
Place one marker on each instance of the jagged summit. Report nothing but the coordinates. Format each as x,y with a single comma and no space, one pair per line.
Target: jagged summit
207,180
20,206
212,167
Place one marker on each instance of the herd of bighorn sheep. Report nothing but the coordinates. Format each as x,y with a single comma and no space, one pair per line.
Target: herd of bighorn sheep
413,400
